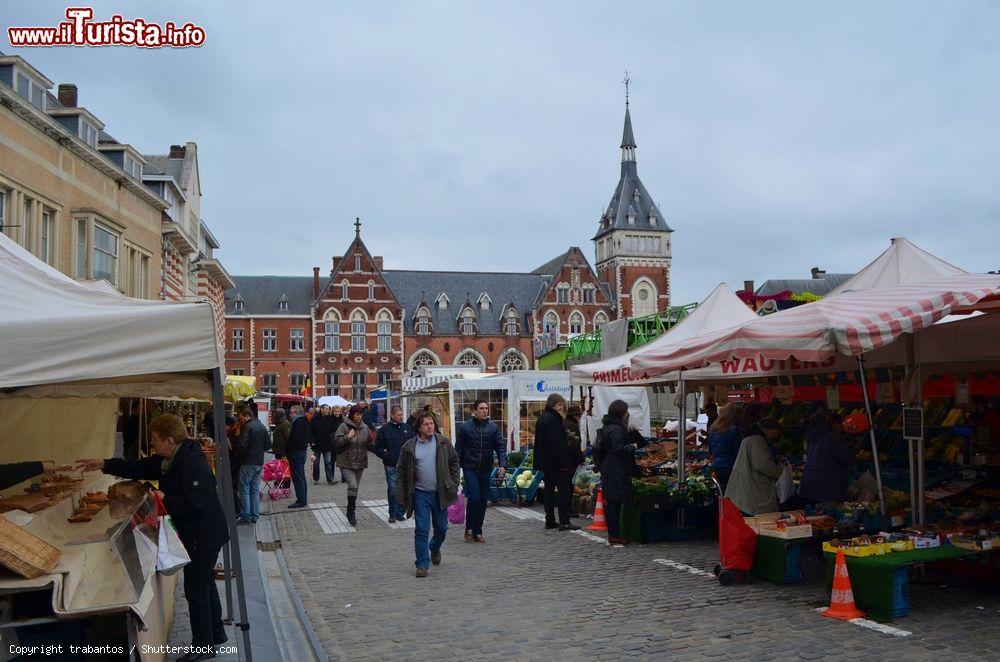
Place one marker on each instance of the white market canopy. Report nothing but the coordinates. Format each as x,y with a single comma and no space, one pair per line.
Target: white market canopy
903,262
849,324
334,401
90,342
720,309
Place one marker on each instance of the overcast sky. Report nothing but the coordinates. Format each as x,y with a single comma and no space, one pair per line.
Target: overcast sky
484,135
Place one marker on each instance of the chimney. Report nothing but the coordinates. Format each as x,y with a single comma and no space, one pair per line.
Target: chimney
67,94
177,151
817,272
378,262
336,263
748,286
315,283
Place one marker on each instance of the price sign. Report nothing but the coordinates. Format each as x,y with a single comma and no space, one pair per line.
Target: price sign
961,393
913,423
832,398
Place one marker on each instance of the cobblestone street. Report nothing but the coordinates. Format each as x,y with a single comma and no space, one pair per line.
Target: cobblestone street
529,593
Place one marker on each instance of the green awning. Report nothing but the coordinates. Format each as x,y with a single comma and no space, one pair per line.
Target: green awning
553,359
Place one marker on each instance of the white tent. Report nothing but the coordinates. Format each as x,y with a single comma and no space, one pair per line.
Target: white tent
902,262
720,309
334,401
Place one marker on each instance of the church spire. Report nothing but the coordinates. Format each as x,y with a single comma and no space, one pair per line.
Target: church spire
628,140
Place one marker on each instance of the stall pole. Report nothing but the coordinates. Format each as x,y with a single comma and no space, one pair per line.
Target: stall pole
681,441
225,480
911,444
871,435
921,475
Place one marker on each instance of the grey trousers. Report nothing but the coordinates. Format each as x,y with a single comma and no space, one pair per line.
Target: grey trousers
353,478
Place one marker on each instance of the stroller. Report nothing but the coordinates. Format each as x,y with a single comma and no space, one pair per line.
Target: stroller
277,476
737,542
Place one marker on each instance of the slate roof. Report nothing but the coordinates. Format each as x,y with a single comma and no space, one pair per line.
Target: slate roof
261,293
631,196
819,286
413,287
550,267
164,165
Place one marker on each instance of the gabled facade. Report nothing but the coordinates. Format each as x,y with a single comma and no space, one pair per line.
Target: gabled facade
572,301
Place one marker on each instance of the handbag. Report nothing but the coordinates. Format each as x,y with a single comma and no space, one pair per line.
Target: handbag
171,555
785,487
456,511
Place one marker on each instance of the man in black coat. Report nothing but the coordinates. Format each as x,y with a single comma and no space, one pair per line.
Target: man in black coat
188,486
552,458
323,425
388,443
298,443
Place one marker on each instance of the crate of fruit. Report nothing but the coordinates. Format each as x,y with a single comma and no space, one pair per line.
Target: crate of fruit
780,529
525,482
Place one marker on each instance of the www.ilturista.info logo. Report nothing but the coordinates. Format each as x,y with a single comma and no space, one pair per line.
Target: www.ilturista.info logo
80,30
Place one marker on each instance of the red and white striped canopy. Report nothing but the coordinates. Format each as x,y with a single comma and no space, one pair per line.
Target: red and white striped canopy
852,323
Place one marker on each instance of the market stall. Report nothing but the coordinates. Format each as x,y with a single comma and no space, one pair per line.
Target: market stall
72,352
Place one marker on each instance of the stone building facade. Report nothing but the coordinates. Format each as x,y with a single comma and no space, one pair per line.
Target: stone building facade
359,325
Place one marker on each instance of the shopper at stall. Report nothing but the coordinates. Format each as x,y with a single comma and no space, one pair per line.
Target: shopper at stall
427,479
711,413
617,467
188,487
571,424
282,428
296,446
751,484
254,442
129,426
322,428
829,457
17,472
389,442
352,442
724,437
479,441
552,459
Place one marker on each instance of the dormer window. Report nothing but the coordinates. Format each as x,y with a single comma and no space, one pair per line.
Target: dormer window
468,323
442,301
132,167
652,218
484,301
283,303
88,132
510,324
635,196
423,324
30,90
631,215
238,302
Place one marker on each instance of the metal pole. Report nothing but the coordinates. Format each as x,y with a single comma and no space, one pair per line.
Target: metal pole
222,450
871,435
681,441
921,474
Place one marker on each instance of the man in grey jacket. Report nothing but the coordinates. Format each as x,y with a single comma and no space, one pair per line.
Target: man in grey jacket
254,442
427,478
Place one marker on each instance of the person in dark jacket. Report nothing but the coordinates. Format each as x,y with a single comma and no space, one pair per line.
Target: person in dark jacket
388,442
129,426
18,472
282,428
617,467
828,464
322,428
573,438
298,441
479,440
552,459
254,442
427,479
724,437
188,486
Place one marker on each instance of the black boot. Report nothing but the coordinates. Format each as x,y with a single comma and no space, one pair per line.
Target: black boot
351,503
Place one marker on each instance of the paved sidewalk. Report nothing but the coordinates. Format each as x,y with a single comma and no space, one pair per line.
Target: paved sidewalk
529,593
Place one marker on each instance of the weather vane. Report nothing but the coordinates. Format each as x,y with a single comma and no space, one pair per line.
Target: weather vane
627,81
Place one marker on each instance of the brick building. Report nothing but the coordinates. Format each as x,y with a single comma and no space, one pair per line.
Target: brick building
359,326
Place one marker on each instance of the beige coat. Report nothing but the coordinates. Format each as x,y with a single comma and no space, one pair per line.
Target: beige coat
751,485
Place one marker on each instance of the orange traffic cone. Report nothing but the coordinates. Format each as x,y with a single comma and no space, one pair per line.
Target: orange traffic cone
842,597
600,524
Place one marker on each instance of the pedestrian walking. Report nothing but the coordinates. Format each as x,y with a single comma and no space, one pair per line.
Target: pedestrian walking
322,428
352,441
388,443
427,479
296,446
282,428
617,467
254,442
552,458
479,440
188,488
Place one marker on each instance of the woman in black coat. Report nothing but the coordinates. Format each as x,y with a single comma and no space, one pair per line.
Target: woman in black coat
188,486
617,467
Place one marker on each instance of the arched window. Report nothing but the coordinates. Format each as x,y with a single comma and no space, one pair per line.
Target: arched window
550,322
344,294
371,290
331,332
468,322
576,323
422,358
358,332
643,298
469,358
512,360
600,318
423,324
511,326
384,332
